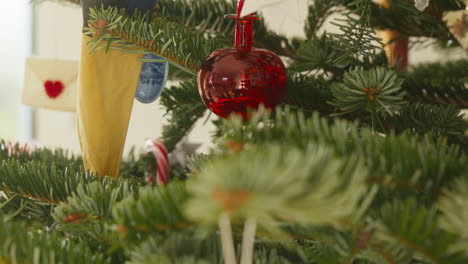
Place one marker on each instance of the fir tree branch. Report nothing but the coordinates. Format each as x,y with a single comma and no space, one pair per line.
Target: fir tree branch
357,36
162,212
243,191
93,202
42,181
319,11
377,91
178,247
185,107
179,44
324,55
439,83
308,93
322,253
403,158
453,206
31,210
208,16
410,230
27,152
136,166
436,120
191,247
21,243
319,53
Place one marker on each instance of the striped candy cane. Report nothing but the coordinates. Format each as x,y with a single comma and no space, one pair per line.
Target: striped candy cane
162,159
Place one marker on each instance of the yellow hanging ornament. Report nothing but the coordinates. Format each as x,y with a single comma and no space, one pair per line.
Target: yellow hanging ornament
107,88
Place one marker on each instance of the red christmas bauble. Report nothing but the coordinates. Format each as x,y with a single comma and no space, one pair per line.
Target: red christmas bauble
236,79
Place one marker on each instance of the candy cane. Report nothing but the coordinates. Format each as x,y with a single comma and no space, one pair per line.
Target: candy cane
162,159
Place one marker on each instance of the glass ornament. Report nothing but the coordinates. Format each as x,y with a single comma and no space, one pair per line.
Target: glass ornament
235,79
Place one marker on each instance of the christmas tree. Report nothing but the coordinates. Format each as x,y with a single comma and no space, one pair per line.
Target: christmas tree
363,161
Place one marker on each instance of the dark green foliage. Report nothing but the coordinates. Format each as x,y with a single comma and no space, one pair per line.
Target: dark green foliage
188,247
202,15
24,208
24,153
439,120
377,91
179,44
453,207
21,243
357,37
184,106
309,93
406,230
323,55
137,165
28,179
300,197
163,211
320,254
319,53
87,214
415,164
94,201
184,248
402,16
439,83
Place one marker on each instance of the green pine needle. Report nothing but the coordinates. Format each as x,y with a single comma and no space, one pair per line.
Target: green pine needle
378,90
272,183
454,207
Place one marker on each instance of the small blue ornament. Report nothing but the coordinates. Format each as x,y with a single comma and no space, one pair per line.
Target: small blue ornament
153,77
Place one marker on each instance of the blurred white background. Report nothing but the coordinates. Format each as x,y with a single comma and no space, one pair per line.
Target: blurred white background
16,43
56,33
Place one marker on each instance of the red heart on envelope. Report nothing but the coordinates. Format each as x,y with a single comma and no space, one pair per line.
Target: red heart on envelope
53,88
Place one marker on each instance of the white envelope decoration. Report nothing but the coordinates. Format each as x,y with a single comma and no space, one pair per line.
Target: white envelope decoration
51,84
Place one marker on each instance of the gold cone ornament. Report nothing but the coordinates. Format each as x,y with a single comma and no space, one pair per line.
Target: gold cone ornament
107,89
